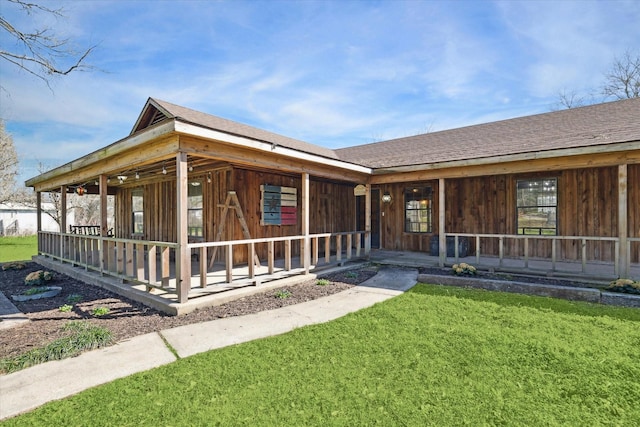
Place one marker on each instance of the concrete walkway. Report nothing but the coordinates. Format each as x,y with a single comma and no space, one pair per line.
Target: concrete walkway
25,390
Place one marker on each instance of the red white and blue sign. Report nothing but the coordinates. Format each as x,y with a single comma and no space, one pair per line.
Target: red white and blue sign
279,205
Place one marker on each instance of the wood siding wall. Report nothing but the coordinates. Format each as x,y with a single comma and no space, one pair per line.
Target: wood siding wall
332,208
587,206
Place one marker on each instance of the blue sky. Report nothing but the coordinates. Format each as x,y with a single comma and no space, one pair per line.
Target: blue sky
333,73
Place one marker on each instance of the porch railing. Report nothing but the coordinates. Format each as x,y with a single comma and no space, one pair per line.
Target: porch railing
154,263
554,261
144,262
334,246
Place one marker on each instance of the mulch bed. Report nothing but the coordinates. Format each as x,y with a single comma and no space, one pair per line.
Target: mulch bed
127,318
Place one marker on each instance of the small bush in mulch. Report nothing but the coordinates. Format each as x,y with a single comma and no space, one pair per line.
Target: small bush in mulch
463,269
15,265
39,277
626,286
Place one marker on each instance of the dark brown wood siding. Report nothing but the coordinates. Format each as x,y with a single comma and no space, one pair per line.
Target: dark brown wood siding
332,208
587,206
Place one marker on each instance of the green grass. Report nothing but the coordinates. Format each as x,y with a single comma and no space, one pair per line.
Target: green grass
433,356
18,248
82,336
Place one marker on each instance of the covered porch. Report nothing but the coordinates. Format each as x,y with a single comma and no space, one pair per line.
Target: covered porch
148,271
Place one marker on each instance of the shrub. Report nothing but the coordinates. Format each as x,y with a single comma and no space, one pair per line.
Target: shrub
36,290
463,269
283,294
38,278
74,298
65,308
15,265
625,286
323,282
100,311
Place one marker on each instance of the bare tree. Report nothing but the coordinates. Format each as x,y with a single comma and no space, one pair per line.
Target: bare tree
570,99
40,51
623,79
8,166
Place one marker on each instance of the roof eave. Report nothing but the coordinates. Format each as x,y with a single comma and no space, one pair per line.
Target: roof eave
191,129
548,154
117,147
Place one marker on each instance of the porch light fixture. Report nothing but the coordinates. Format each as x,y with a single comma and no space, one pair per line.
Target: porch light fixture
164,170
122,178
209,177
386,197
80,190
137,174
190,167
195,183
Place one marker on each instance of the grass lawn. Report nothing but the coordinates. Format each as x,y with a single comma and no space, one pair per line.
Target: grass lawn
434,356
18,248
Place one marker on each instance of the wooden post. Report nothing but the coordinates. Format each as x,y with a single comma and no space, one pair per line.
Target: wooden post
183,258
442,243
39,219
367,219
63,218
306,250
623,216
103,187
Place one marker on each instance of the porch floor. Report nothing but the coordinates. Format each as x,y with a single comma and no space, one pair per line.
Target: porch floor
596,271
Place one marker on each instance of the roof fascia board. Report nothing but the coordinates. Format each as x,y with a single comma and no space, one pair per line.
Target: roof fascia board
117,147
198,131
564,152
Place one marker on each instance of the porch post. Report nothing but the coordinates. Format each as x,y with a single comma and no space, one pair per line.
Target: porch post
104,250
367,219
63,218
306,249
442,243
623,266
183,258
39,219
38,211
103,205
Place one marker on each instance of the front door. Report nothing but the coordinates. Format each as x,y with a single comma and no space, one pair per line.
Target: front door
375,217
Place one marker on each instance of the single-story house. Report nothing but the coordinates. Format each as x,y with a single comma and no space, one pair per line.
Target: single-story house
549,191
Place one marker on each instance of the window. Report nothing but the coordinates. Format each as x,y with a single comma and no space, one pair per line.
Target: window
194,209
417,213
537,206
137,211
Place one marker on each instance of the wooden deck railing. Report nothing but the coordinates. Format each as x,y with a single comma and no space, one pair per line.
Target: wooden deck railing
334,246
139,261
554,258
154,263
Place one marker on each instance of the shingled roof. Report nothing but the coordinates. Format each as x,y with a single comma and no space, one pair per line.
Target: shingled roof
157,110
594,125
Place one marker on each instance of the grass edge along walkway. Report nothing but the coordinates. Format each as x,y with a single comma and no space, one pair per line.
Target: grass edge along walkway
435,355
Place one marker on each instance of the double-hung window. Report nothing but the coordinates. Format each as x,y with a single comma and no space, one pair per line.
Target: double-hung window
194,209
418,210
537,206
137,211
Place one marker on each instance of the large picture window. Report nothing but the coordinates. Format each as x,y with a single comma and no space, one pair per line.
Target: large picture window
137,211
194,209
418,210
537,206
